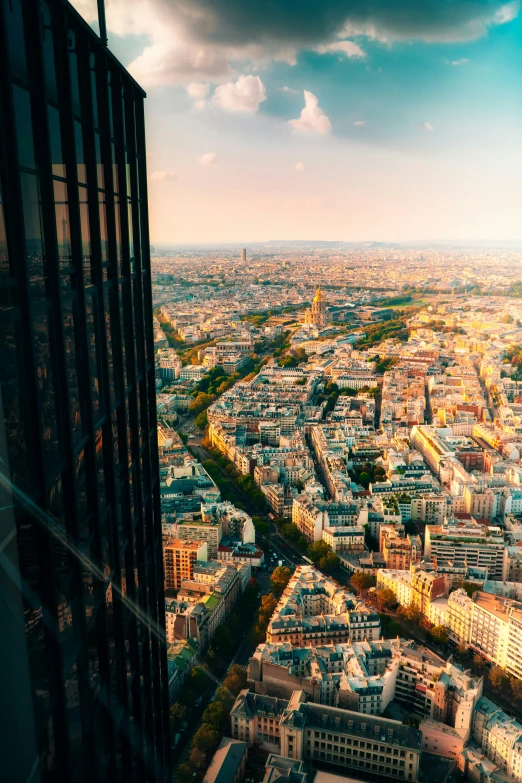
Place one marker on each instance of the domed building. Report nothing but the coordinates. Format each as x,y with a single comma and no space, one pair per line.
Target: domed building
318,314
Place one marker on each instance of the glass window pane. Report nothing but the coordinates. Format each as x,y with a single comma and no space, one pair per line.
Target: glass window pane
33,233
117,224
99,165
15,36
4,258
73,64
63,229
57,162
103,229
42,341
48,52
94,88
70,314
93,343
24,127
86,234
131,238
81,168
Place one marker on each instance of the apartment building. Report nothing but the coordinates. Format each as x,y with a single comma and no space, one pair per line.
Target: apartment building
205,601
399,551
339,740
315,610
210,532
312,515
344,539
500,737
431,509
179,558
468,545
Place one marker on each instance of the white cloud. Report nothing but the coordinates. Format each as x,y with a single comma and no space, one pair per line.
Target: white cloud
427,127
349,48
285,88
299,166
160,176
244,95
312,119
207,159
198,91
462,61
359,123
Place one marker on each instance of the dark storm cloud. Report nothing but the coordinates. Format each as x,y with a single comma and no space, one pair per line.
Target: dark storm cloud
311,22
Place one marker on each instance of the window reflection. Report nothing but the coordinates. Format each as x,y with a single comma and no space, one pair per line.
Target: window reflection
99,164
63,229
57,162
91,313
69,314
81,168
33,232
103,229
48,52
24,127
86,234
73,65
47,409
15,36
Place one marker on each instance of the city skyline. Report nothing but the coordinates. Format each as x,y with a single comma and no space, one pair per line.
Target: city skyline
374,125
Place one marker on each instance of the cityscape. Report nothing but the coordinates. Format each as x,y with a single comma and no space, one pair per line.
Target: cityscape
260,501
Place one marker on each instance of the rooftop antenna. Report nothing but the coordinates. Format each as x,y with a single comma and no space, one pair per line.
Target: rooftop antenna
102,22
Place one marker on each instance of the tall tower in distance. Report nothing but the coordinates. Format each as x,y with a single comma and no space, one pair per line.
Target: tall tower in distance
243,255
84,677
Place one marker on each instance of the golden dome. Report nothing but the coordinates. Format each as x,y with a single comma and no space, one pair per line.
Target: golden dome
319,296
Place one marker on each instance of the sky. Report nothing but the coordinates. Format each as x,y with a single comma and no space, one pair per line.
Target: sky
388,120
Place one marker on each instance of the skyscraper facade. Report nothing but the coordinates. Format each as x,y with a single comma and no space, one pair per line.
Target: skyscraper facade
83,668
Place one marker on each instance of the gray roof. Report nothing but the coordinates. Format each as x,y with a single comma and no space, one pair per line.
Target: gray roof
225,761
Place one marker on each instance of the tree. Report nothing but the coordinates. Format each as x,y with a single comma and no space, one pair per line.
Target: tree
201,420
516,688
268,604
412,720
386,598
215,715
222,642
279,579
177,715
226,698
184,773
201,402
197,758
440,635
479,663
235,680
498,678
362,582
205,738
364,479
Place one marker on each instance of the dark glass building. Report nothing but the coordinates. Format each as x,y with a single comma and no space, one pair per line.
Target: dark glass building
83,667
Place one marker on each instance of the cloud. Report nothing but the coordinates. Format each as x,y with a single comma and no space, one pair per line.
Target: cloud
359,123
198,91
207,159
312,119
349,48
427,127
462,61
160,176
289,90
244,95
300,166
191,40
